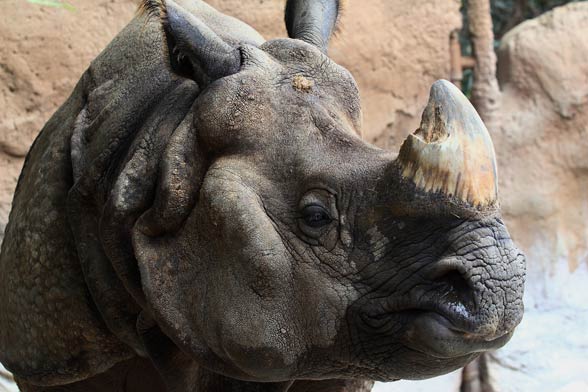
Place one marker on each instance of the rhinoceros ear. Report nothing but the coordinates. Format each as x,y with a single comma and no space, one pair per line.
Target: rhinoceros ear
312,21
195,51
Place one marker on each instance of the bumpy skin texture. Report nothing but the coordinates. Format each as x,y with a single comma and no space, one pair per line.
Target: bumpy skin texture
223,224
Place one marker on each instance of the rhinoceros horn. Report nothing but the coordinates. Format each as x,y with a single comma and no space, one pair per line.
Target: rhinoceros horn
451,153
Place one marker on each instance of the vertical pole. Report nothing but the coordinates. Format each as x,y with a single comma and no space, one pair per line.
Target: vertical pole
455,57
485,90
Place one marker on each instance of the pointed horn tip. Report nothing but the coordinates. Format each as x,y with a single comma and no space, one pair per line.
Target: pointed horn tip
445,85
446,108
443,89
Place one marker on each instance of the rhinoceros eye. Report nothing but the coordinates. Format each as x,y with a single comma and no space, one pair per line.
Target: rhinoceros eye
316,216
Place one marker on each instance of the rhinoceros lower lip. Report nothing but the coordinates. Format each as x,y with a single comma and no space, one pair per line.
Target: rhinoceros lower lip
434,335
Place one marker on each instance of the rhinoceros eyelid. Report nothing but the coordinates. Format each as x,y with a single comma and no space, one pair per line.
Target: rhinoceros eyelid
321,188
322,197
317,214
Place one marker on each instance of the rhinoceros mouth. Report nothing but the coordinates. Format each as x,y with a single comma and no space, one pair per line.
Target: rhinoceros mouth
438,329
433,334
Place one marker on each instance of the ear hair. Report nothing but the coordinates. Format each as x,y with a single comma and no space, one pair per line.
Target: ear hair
341,9
153,9
177,59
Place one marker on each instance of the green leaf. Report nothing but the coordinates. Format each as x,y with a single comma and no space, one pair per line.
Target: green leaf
53,3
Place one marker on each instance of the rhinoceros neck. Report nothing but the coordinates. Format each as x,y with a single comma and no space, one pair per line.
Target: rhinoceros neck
214,382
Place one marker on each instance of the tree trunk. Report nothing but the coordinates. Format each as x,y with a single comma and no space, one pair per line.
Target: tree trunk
485,91
475,376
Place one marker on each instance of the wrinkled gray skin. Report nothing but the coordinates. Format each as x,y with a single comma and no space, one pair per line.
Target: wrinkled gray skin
224,223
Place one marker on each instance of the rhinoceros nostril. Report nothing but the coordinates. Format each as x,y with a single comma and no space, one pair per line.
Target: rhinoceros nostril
455,292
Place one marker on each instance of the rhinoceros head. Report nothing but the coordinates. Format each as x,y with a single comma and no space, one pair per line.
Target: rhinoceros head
280,245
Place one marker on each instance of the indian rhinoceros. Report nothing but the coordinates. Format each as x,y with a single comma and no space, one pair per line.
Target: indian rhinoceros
202,214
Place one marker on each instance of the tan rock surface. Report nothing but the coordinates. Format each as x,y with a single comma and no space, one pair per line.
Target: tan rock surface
43,53
542,142
542,147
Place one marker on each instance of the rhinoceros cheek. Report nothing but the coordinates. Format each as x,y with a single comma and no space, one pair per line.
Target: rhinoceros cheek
260,345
